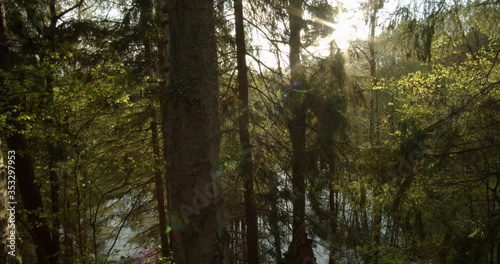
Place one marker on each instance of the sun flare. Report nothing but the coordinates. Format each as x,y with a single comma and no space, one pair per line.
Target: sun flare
345,31
349,26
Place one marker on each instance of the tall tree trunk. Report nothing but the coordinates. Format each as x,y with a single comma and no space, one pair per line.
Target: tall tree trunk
147,34
30,192
163,70
165,249
297,124
246,166
193,135
300,250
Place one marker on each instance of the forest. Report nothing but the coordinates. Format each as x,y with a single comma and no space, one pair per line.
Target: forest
249,131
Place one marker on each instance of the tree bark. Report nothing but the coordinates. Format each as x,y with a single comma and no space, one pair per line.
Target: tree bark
246,166
300,250
165,249
297,123
193,135
164,71
147,35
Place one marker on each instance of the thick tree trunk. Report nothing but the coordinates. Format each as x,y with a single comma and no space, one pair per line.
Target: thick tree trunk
246,166
193,135
297,124
300,250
